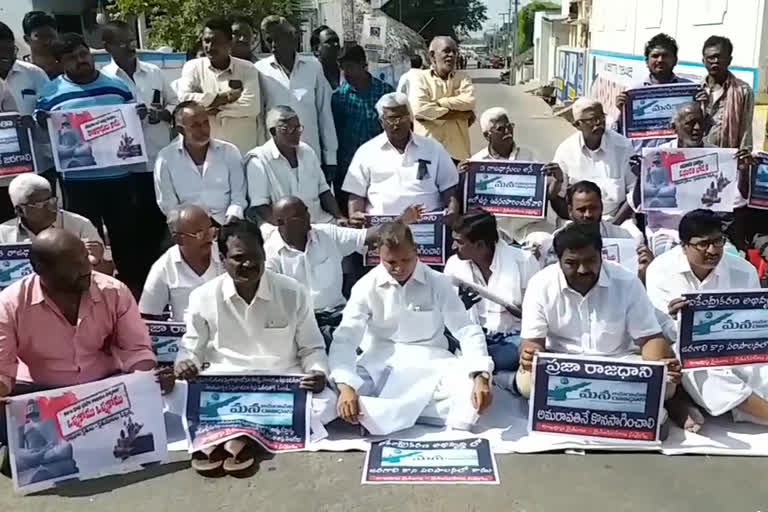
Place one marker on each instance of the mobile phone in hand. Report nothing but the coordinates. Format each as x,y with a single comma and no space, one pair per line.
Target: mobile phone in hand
235,84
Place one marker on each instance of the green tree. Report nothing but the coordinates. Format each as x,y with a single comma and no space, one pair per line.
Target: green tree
525,19
456,18
177,23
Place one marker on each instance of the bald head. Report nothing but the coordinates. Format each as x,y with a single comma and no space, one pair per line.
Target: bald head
291,217
689,125
191,228
182,216
444,52
61,261
52,243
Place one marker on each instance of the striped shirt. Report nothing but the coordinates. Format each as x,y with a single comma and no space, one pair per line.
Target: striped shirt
63,94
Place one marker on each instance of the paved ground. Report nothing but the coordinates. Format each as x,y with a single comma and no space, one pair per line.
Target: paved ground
530,483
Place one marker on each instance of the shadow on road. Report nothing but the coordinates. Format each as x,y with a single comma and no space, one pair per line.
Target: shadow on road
486,80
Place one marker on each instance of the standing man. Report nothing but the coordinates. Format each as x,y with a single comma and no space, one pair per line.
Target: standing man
150,87
226,86
40,31
354,111
242,37
325,45
288,78
403,85
443,99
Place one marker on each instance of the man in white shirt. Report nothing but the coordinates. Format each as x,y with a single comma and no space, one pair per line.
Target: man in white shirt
484,260
403,85
599,155
288,78
198,169
587,306
398,168
399,312
285,166
226,86
700,264
189,263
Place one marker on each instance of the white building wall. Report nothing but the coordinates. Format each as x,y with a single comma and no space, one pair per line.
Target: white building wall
12,13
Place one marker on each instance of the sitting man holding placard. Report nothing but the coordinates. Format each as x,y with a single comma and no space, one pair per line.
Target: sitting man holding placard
398,312
700,264
251,319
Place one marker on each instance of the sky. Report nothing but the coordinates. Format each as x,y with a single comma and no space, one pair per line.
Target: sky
496,7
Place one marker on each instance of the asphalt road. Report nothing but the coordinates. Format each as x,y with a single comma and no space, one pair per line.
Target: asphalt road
529,483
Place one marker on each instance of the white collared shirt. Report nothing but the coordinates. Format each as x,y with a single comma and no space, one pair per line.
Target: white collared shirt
388,178
318,267
669,276
608,321
220,188
391,315
24,82
14,232
271,177
511,269
276,332
147,79
608,167
308,93
171,280
237,122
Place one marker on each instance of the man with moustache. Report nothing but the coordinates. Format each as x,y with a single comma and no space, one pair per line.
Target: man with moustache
325,44
242,37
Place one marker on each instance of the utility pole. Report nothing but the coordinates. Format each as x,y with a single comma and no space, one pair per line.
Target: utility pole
514,46
505,37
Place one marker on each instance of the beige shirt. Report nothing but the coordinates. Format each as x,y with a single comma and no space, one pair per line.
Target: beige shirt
431,98
14,232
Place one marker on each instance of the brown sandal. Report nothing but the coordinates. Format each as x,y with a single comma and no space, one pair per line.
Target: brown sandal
208,460
241,455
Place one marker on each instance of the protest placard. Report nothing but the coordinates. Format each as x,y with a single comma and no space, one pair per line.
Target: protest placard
14,263
719,329
96,137
165,337
16,151
465,461
597,397
78,432
428,233
622,251
648,111
758,187
680,180
270,409
506,188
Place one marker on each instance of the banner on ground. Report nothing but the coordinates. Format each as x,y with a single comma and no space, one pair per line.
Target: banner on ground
79,432
758,189
428,232
597,397
649,110
507,188
270,409
14,263
96,137
16,151
165,338
723,329
680,180
466,461
622,251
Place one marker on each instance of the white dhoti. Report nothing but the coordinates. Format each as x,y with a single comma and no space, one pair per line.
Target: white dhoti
721,390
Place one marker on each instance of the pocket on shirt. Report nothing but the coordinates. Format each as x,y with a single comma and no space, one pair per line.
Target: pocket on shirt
610,337
614,191
420,325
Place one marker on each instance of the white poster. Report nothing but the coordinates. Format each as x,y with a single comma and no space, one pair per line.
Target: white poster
374,35
622,251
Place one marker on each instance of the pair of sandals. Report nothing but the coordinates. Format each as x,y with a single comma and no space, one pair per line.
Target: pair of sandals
234,457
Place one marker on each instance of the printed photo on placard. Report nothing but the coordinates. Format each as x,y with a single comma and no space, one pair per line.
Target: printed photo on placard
465,461
506,188
622,251
16,151
165,337
597,397
428,232
758,191
649,110
14,263
723,329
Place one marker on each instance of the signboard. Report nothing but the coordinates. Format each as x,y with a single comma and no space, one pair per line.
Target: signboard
597,397
649,111
84,431
165,337
270,409
507,188
758,191
96,137
467,461
14,263
428,232
16,151
680,180
723,329
374,36
622,251
570,74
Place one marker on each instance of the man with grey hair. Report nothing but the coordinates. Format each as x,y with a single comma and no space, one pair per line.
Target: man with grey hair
288,78
399,168
191,262
286,166
443,99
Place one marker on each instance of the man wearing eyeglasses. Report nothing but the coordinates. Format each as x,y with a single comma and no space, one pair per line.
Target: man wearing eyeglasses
191,262
701,264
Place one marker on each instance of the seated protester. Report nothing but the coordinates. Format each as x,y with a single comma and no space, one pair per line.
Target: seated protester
699,264
93,319
36,210
197,169
481,258
286,166
191,262
587,306
251,319
399,312
313,253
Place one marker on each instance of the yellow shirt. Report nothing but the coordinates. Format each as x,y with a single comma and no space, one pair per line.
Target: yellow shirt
431,98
